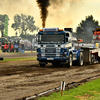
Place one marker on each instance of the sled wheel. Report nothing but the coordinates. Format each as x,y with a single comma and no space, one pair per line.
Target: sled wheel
70,61
80,61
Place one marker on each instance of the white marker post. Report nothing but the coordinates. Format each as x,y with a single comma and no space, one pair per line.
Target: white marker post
62,87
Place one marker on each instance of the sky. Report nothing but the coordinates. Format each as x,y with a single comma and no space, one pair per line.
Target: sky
61,13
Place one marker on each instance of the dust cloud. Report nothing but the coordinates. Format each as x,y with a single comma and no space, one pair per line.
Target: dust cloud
63,13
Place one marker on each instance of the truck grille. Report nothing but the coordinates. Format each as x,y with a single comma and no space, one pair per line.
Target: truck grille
50,46
50,52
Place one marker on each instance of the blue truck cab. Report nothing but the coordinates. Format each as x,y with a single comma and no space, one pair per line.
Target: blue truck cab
55,46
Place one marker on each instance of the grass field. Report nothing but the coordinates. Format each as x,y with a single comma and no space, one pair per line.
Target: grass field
15,59
87,91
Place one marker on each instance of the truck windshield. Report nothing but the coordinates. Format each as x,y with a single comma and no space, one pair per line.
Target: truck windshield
51,39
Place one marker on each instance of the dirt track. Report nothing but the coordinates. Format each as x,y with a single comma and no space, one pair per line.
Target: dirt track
18,55
20,79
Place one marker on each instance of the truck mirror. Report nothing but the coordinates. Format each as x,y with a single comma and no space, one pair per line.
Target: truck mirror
69,39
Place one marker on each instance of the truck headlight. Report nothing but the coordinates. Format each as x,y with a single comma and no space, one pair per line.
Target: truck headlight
62,46
38,55
56,45
39,46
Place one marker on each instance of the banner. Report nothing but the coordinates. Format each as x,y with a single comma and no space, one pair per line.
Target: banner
6,26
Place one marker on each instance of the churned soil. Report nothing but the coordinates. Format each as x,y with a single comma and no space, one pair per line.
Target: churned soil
19,79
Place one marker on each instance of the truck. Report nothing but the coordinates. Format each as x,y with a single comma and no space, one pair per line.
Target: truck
55,46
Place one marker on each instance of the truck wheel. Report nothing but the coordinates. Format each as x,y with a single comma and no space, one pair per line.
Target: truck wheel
42,65
80,61
4,51
70,61
92,59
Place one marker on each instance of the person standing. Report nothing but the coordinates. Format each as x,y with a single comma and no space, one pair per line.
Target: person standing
22,44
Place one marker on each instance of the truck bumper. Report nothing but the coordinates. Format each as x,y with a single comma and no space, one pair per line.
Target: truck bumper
61,59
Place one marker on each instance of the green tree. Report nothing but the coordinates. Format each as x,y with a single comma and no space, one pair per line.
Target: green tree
30,23
17,23
23,24
84,29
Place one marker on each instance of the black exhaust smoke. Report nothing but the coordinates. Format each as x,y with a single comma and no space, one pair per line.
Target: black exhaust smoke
43,5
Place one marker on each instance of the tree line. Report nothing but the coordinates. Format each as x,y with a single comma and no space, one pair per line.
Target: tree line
86,27
24,24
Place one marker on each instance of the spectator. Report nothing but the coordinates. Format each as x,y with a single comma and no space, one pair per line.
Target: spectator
6,42
22,45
